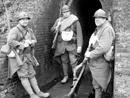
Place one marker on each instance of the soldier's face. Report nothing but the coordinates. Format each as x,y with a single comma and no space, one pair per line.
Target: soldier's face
24,22
66,14
99,21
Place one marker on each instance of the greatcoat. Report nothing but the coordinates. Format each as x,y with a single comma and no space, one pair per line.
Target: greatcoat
15,40
99,67
77,40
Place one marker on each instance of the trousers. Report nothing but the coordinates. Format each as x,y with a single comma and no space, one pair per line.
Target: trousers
68,58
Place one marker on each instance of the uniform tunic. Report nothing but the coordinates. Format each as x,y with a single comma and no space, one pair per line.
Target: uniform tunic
77,40
99,67
16,39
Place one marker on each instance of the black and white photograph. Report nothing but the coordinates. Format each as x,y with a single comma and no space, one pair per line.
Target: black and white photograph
64,48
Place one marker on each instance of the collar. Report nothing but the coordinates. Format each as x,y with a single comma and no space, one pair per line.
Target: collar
24,30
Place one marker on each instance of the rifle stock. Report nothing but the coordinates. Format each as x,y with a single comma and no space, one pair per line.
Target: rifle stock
55,40
54,44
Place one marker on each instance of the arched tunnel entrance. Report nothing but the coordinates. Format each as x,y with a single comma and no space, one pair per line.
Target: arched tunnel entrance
85,10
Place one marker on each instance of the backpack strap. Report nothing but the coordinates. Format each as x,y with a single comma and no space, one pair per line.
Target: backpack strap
22,33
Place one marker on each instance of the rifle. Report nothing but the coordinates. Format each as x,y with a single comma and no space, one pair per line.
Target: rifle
56,34
54,44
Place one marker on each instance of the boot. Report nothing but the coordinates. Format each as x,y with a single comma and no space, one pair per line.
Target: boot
37,89
41,94
26,84
65,79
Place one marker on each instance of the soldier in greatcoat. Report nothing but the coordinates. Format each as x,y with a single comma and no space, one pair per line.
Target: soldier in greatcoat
99,44
69,41
22,41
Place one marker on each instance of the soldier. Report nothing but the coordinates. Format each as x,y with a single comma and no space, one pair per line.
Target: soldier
99,44
69,40
22,41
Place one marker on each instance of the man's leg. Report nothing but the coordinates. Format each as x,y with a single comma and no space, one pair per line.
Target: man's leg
73,63
64,59
23,76
26,84
98,89
34,84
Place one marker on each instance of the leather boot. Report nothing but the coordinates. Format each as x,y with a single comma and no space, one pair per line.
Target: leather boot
65,79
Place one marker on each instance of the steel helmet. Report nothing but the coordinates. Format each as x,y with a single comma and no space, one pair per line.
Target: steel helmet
23,15
100,13
65,8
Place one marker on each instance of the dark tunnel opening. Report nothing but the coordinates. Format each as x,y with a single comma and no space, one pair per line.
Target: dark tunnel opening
85,10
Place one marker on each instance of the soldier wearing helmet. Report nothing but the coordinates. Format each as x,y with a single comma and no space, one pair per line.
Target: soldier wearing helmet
100,17
22,41
23,19
100,43
69,41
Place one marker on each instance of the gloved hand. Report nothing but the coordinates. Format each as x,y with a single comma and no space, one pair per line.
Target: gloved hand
79,49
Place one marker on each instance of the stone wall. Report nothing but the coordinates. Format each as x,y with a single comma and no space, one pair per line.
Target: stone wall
121,17
120,12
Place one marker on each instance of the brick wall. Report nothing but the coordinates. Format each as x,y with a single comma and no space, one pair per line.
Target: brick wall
43,13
